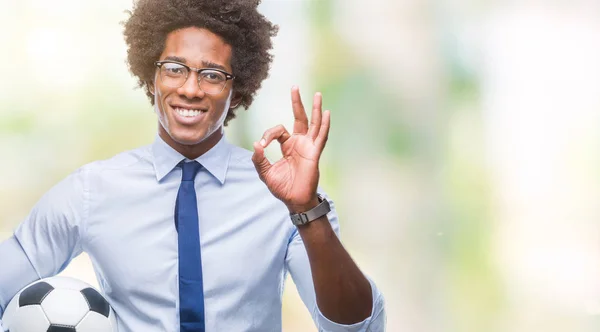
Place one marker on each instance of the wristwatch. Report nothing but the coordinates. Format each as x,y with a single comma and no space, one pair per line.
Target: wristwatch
317,212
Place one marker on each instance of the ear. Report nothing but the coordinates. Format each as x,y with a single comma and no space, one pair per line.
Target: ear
235,100
150,87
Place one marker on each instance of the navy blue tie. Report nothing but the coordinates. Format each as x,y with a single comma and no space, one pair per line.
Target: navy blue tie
191,293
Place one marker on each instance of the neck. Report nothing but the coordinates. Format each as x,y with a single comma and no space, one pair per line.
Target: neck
192,151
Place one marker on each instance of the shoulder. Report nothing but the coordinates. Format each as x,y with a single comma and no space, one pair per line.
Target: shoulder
242,174
136,158
241,166
240,156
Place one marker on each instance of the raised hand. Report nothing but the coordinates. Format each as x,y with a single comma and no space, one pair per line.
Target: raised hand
294,178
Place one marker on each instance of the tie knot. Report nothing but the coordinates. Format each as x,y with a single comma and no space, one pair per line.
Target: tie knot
189,170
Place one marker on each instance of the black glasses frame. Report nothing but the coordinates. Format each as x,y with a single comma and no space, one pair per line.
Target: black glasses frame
228,76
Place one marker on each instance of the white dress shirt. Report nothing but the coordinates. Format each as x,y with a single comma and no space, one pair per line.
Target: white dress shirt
121,212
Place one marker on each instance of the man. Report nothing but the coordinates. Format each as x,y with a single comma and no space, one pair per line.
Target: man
192,233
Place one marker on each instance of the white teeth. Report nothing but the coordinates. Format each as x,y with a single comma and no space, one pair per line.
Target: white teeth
187,113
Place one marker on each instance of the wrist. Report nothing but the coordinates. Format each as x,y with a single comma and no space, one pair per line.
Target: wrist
307,213
299,208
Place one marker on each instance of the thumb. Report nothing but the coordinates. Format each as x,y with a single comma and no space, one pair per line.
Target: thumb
261,163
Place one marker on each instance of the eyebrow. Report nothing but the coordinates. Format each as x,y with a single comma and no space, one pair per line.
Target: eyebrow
205,64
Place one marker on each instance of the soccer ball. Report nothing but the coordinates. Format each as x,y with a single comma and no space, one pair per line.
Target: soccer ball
59,304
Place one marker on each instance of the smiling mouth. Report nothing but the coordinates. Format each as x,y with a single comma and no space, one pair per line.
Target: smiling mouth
188,112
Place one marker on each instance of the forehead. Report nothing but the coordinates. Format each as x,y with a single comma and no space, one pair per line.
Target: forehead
196,46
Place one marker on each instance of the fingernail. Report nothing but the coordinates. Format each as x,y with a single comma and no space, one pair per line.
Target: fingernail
263,142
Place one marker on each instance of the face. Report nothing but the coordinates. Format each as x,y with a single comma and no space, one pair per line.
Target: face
180,124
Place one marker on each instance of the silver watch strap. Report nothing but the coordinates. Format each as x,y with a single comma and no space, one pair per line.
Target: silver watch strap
317,212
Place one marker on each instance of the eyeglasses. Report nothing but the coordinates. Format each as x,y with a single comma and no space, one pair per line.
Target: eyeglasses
174,74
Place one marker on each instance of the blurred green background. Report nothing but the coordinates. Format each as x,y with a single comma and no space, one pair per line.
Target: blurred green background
463,154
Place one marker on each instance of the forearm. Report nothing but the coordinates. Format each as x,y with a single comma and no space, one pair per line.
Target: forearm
16,271
343,293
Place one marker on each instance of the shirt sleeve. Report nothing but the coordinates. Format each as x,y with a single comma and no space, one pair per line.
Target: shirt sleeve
299,266
15,271
47,240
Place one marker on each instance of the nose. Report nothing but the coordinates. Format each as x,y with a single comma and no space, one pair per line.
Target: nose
191,88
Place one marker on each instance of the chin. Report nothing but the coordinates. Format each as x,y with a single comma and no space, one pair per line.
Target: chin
188,139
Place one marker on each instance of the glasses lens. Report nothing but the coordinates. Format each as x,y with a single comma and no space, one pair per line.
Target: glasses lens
173,74
212,81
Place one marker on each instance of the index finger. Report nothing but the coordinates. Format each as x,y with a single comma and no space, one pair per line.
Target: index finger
300,119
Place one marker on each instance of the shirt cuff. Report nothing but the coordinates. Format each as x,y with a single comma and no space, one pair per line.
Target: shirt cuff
327,325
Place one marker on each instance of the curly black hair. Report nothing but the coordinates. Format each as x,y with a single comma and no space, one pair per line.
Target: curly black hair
238,22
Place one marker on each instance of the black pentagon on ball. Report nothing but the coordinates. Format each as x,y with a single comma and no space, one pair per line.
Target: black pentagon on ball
96,302
35,294
61,328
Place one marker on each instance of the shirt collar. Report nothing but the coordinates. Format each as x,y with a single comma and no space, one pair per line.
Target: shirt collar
215,160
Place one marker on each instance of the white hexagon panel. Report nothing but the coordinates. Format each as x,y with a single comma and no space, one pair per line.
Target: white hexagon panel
29,318
95,322
55,303
67,283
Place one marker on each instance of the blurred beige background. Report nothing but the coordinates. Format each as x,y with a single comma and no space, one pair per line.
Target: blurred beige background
464,153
